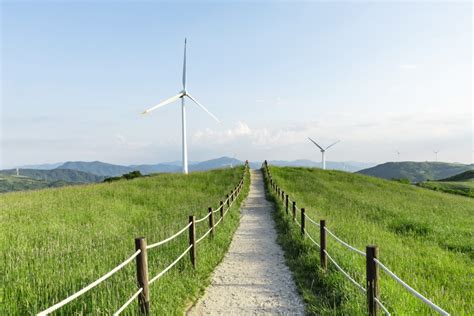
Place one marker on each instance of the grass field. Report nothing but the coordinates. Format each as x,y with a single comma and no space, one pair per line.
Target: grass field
455,187
425,237
56,241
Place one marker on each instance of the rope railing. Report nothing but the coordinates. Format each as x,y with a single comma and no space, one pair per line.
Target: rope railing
311,220
124,306
159,275
342,242
373,300
140,255
345,273
312,239
411,290
169,238
90,286
203,219
204,236
385,310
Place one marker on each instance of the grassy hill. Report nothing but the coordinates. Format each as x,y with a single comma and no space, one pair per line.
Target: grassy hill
56,241
424,236
32,179
465,176
462,184
416,171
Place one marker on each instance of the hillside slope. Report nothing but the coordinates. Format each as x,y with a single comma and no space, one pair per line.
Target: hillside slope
462,184
56,241
424,236
416,171
465,176
34,179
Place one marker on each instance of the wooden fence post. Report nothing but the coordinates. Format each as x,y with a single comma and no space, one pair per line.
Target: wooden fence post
302,222
142,275
228,200
192,240
294,211
222,210
372,278
211,221
322,242
283,195
286,204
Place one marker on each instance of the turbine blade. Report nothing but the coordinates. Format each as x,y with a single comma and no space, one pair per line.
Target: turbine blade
332,144
165,102
202,107
184,66
315,143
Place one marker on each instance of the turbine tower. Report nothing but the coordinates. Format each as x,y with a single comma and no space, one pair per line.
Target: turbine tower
436,154
323,150
398,155
181,95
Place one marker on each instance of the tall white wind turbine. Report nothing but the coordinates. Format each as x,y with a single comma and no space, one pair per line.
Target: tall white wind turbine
436,154
181,95
323,151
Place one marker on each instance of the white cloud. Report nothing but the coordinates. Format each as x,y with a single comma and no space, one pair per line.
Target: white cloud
409,128
408,66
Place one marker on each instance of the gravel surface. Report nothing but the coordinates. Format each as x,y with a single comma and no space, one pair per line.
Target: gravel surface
253,278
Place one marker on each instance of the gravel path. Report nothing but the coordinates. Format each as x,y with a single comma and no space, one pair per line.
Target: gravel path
252,278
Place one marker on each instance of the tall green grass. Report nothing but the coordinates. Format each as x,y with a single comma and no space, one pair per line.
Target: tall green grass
54,242
425,237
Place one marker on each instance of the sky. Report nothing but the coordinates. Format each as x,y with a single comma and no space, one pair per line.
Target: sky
379,76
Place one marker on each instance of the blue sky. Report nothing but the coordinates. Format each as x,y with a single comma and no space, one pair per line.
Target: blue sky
380,76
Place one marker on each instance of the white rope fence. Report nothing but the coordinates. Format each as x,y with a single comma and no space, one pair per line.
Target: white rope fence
169,238
385,310
124,306
159,275
311,238
311,220
204,236
345,273
412,290
202,219
344,243
90,286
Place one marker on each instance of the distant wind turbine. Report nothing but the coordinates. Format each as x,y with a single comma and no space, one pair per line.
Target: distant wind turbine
181,95
323,150
398,155
436,154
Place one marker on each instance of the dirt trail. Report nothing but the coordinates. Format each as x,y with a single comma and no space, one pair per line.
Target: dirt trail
253,277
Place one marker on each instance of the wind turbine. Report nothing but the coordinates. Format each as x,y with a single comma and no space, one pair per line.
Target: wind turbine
183,93
323,150
398,155
436,154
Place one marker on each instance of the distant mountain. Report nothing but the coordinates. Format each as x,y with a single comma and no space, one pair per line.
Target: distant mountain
34,179
349,166
222,162
416,171
66,175
46,166
158,168
97,167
